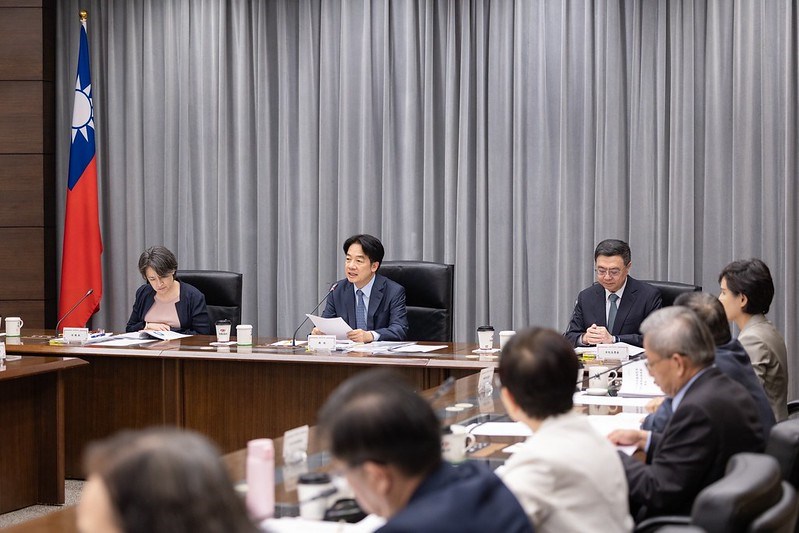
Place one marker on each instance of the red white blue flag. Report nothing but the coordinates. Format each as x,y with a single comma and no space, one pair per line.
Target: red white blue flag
80,267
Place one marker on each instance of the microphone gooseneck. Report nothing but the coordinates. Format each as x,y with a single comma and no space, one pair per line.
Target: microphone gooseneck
294,337
632,359
88,293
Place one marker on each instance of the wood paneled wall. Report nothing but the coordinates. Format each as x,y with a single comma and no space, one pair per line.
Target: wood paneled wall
27,161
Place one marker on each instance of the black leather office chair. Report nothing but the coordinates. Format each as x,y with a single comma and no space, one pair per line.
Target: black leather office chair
783,445
222,292
669,290
428,297
750,497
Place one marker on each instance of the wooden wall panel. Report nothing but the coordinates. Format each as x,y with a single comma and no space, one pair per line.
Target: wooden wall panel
21,117
21,44
22,186
31,312
27,161
22,272
23,3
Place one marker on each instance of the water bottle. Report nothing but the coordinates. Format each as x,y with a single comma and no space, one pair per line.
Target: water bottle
261,478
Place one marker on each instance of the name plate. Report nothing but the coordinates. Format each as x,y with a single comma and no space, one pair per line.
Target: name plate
322,343
295,444
486,383
76,335
612,351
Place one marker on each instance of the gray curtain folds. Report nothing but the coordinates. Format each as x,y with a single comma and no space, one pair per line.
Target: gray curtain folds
504,137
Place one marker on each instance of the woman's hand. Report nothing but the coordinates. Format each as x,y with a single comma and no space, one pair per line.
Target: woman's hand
156,326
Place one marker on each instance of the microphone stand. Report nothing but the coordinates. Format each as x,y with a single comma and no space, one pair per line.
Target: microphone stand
632,359
88,293
294,337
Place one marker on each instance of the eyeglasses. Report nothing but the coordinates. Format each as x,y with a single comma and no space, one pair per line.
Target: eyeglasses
651,364
613,272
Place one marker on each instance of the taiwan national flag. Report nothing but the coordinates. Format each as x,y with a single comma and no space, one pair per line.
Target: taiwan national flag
80,268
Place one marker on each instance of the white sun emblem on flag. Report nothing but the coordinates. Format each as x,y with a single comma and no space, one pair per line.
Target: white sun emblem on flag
83,112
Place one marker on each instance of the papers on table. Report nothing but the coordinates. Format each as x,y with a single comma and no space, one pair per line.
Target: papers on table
638,382
124,342
331,326
418,348
293,525
605,424
601,423
581,398
376,347
140,337
288,342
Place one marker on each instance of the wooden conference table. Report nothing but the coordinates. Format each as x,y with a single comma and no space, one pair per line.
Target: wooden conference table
230,394
464,391
32,430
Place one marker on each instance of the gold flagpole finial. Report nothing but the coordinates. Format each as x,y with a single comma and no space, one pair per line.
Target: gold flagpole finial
84,15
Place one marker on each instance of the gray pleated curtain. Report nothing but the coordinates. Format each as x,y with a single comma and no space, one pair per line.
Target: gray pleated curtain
504,137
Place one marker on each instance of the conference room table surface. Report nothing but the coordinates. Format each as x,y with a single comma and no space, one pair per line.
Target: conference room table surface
231,394
32,430
484,407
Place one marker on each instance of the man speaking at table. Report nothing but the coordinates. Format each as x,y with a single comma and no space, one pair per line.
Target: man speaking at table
373,305
612,309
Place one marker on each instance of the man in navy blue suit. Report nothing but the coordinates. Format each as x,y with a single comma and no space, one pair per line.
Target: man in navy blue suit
373,306
386,441
612,309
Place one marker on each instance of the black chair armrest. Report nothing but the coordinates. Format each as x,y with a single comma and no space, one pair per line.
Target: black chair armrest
657,522
793,407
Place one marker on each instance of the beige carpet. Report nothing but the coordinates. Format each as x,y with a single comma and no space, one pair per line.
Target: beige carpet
71,496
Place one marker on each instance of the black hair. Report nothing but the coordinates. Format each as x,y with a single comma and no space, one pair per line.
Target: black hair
539,368
709,309
165,479
611,247
159,259
376,416
752,278
372,247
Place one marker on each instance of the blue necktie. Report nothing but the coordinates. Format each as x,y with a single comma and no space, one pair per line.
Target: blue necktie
612,313
360,311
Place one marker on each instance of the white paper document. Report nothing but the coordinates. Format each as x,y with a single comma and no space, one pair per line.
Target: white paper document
500,429
125,342
331,326
292,525
581,398
152,334
638,382
418,348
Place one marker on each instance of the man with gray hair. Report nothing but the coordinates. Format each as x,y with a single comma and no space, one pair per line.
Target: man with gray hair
713,418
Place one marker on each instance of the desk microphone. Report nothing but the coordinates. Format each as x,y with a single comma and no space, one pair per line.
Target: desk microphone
88,293
632,359
294,337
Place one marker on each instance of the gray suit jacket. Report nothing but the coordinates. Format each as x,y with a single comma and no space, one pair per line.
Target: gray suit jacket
766,349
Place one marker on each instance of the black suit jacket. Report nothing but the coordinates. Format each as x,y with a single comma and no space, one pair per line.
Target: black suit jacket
386,315
716,419
639,299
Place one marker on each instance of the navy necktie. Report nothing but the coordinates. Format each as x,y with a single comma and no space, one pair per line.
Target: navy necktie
360,311
612,313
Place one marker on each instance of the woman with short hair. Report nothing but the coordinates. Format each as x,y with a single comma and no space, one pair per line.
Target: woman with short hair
164,303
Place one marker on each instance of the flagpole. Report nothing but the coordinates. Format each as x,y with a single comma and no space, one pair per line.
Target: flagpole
84,15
